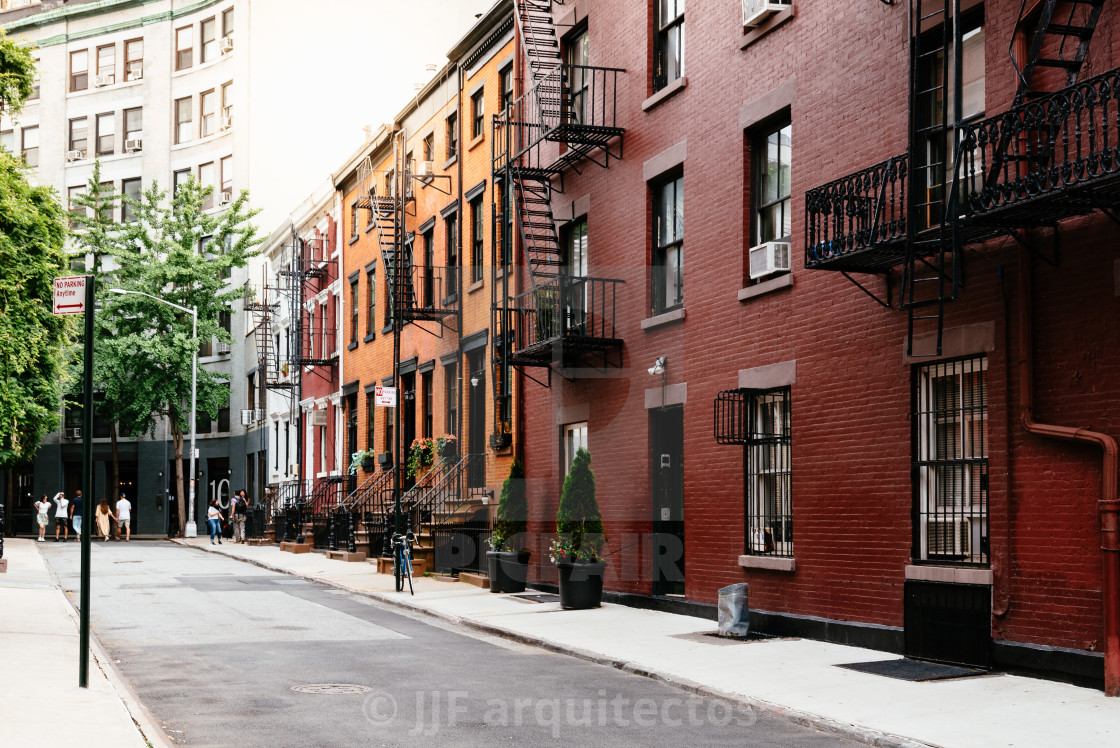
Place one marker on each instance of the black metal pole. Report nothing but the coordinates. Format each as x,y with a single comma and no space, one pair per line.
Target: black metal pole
87,489
394,287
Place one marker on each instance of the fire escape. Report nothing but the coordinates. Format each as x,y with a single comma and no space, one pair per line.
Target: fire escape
565,119
965,178
307,346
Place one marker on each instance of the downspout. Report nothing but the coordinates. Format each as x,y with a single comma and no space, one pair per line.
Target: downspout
514,223
1108,505
463,434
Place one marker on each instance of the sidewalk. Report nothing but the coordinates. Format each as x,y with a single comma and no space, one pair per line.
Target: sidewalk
796,677
42,704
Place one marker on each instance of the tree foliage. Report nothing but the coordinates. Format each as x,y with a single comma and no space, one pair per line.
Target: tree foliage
32,339
513,509
577,519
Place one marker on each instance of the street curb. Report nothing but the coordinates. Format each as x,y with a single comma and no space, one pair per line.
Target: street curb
145,723
868,736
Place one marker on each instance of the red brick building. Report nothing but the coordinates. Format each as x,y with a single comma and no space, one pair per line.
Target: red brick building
832,333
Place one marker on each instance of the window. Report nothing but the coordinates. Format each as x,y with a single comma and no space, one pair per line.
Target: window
476,239
106,134
353,311
354,221
184,47
208,40
452,135
223,413
8,140
227,175
771,203
951,464
429,146
133,124
451,224
450,385
35,82
30,145
72,201
79,134
203,422
371,290
937,120
428,411
575,438
184,131
371,420
577,53
178,179
107,63
130,189
206,183
505,79
668,245
227,105
669,43
133,60
427,283
207,112
389,437
505,221
477,111
251,392
79,70
276,450
227,22
767,484
575,245
287,447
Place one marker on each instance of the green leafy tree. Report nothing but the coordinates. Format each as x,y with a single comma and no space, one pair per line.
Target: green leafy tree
181,252
578,521
33,341
513,510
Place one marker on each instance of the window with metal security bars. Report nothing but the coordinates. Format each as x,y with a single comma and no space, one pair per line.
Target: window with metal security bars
951,465
768,476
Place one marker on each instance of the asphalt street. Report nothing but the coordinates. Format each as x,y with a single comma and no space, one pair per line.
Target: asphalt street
223,653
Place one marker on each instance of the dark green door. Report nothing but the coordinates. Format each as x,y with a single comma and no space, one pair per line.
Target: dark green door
666,428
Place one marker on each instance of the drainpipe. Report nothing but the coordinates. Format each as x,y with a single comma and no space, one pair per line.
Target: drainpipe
1108,506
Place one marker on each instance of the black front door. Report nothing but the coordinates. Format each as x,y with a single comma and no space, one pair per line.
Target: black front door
408,412
476,418
666,428
352,437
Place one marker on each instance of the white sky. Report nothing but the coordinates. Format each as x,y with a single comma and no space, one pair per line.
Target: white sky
340,65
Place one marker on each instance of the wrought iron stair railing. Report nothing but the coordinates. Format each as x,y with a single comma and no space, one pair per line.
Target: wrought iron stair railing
346,516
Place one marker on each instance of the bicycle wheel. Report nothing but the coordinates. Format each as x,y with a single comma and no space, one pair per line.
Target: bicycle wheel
408,570
398,567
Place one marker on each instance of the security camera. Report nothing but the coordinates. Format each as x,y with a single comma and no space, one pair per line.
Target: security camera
658,367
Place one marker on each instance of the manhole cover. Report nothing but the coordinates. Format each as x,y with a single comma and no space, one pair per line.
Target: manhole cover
331,688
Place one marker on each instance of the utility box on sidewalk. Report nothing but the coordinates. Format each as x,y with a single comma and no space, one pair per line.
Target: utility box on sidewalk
734,612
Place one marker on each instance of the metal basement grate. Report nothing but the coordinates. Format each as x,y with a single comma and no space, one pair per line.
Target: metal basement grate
331,688
544,597
912,670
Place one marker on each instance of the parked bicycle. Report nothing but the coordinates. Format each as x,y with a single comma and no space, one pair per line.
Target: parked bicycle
402,559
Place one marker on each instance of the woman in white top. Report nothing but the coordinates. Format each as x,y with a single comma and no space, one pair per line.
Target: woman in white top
61,521
214,519
43,506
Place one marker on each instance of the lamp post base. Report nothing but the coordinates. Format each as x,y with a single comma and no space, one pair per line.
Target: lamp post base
191,531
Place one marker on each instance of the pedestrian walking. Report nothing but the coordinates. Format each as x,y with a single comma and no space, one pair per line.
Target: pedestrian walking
61,517
124,515
43,506
214,520
76,515
238,511
103,516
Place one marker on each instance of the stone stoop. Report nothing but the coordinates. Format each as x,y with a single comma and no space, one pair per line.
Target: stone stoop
261,541
296,547
347,556
384,565
478,580
3,565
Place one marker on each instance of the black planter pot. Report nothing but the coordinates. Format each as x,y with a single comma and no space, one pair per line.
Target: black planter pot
581,585
509,570
385,460
369,466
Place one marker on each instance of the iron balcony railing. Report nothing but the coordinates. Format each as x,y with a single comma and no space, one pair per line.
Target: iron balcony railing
563,318
461,547
1049,158
857,222
563,117
425,292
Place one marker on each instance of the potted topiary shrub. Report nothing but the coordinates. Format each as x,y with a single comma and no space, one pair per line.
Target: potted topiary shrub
509,568
577,552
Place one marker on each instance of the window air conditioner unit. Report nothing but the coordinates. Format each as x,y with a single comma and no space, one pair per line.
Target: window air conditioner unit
225,197
769,258
248,417
135,72
77,155
74,433
757,11
425,169
318,418
104,79
226,122
949,537
227,44
132,145
222,347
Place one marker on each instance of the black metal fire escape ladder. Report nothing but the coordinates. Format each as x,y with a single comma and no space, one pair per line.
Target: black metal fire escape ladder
1058,21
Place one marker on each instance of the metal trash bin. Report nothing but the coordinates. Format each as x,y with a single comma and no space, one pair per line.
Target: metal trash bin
734,612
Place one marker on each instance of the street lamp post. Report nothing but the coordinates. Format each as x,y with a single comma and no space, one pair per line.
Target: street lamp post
191,530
